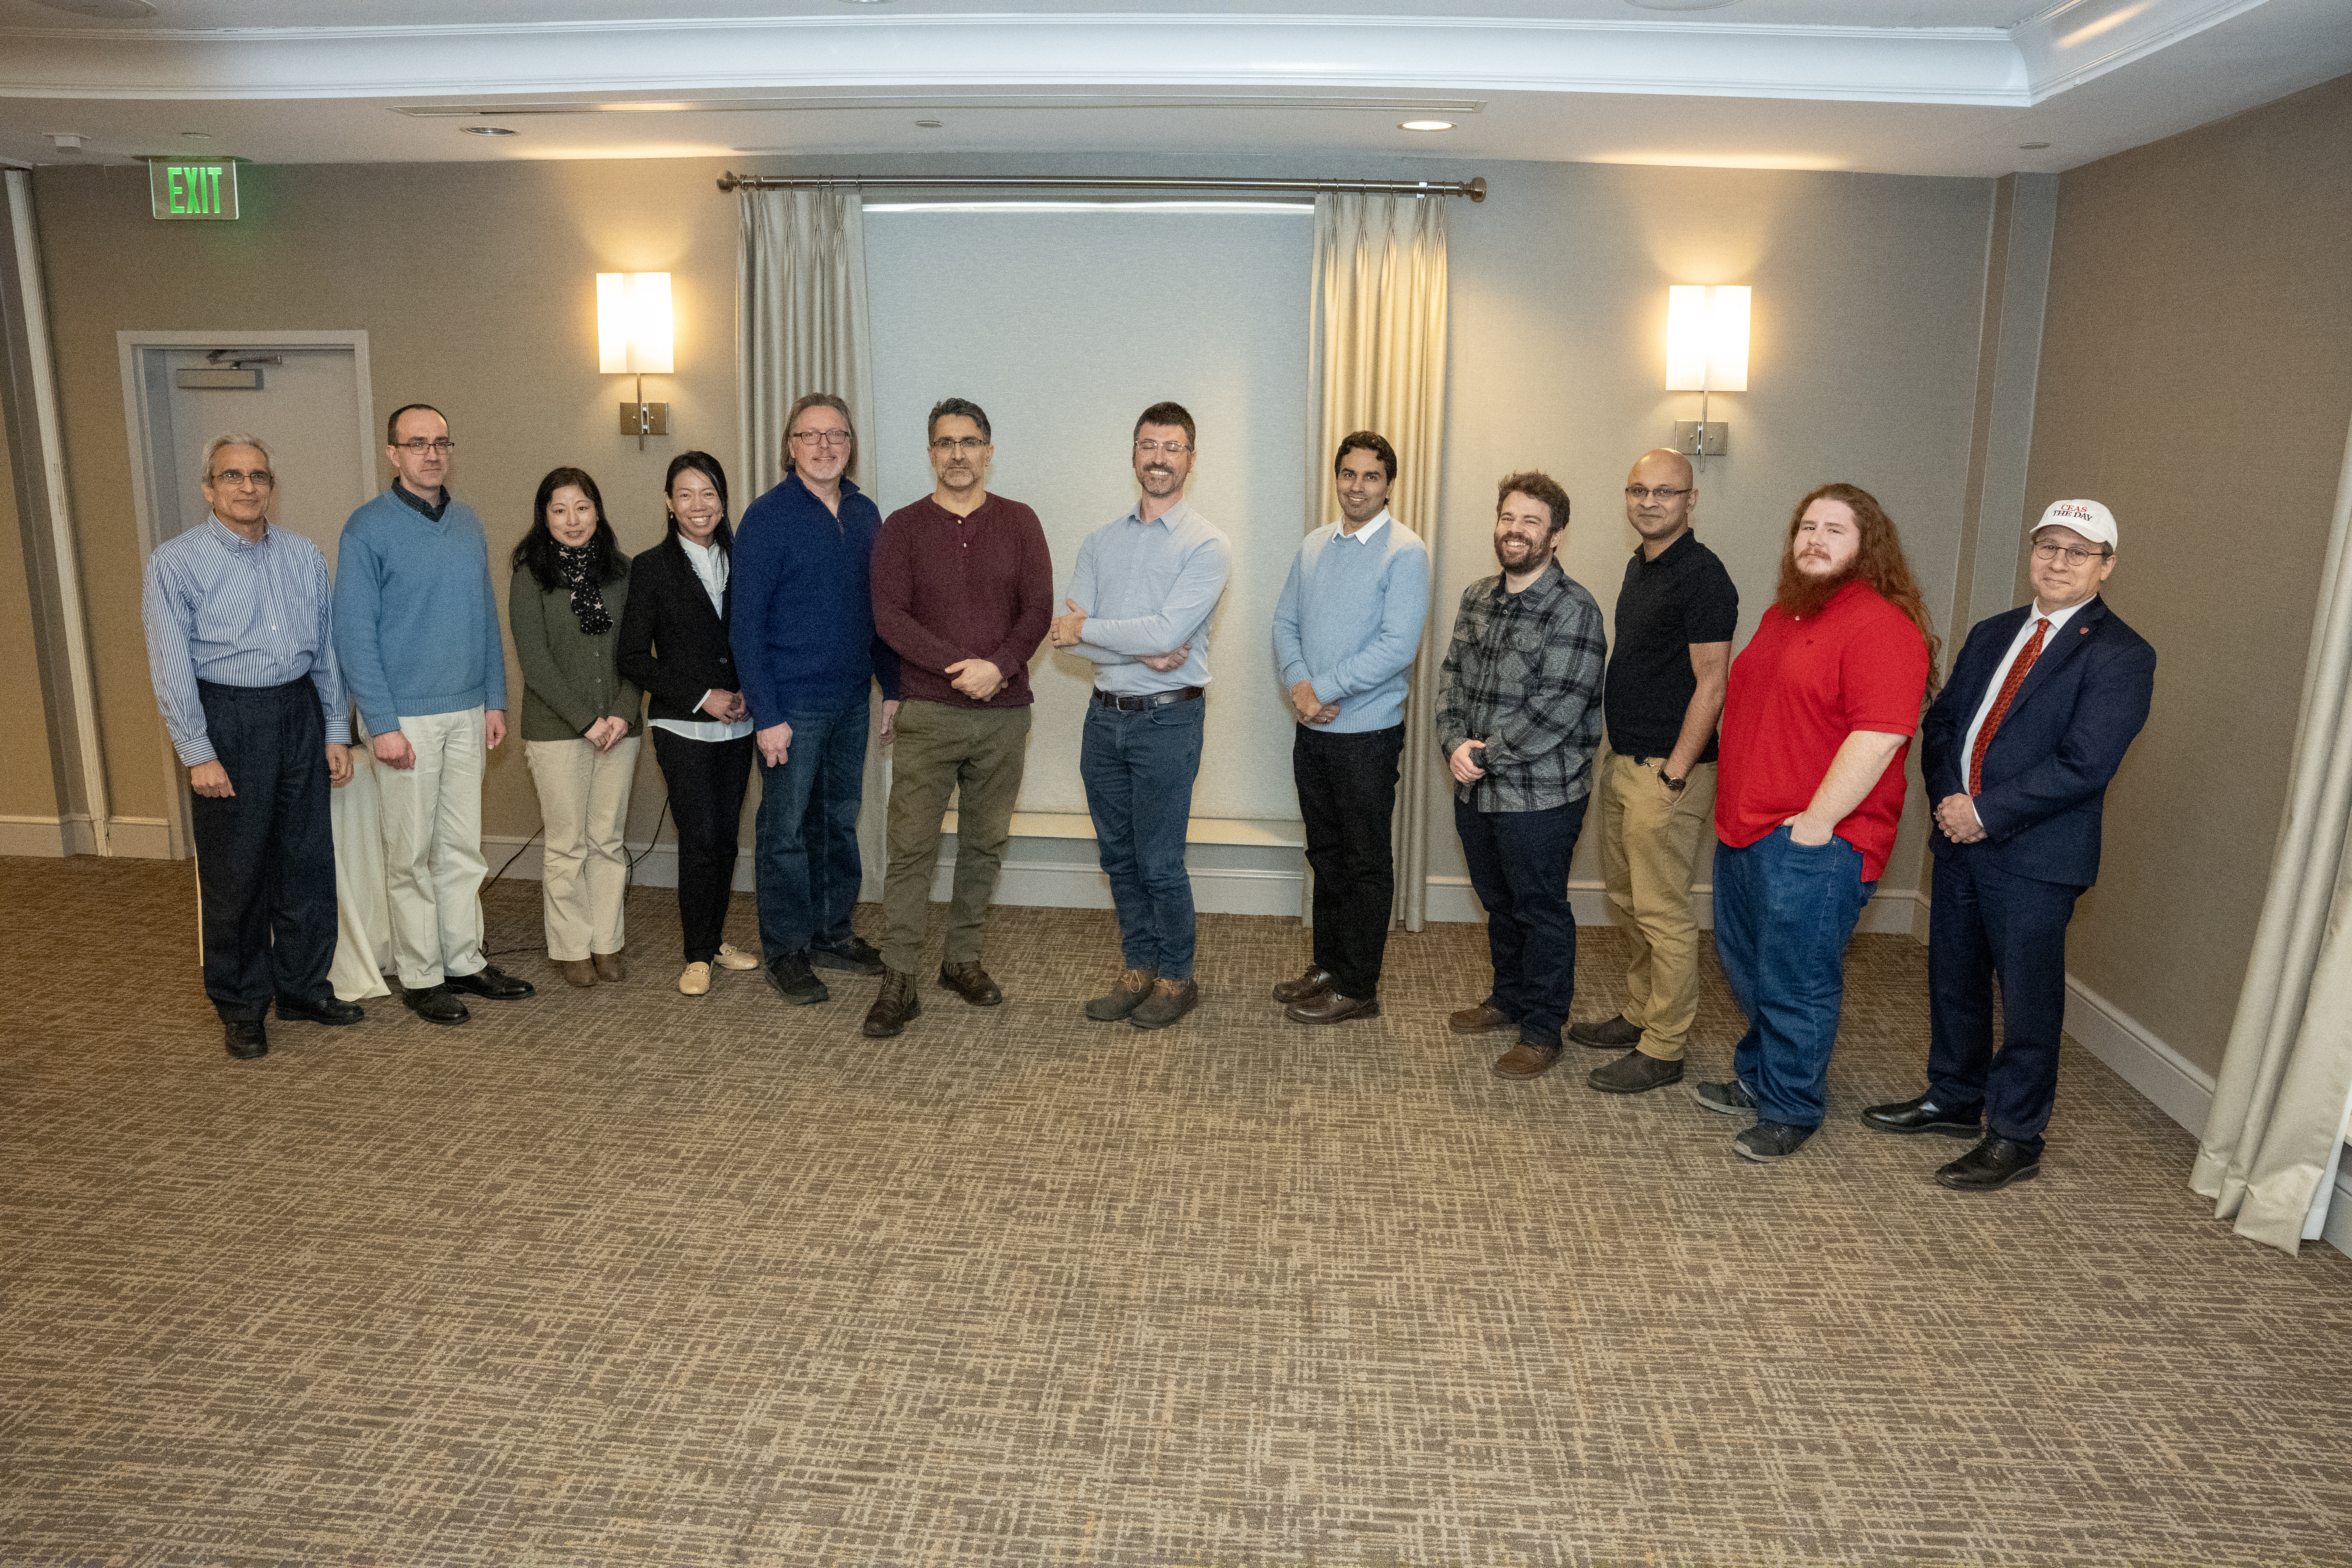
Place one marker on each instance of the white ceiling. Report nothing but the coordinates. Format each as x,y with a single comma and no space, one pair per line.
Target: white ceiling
1928,87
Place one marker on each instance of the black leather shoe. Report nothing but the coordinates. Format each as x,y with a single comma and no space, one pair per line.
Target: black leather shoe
857,955
493,983
1991,1167
1330,1008
247,1038
1613,1035
790,977
1923,1115
328,1009
1769,1141
434,1005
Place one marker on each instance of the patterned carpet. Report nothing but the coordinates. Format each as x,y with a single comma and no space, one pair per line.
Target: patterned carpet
619,1277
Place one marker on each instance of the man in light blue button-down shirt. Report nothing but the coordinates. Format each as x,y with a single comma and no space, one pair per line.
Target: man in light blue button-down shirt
1140,604
241,646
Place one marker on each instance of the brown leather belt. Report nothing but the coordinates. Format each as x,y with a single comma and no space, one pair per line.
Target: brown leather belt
1149,700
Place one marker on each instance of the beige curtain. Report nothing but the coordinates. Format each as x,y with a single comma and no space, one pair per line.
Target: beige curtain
801,327
2279,1114
1378,363
800,321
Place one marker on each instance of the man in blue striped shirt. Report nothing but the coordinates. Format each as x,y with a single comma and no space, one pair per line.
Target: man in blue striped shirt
1140,604
241,646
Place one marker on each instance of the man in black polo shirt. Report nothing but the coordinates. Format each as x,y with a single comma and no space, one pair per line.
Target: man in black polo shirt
1655,779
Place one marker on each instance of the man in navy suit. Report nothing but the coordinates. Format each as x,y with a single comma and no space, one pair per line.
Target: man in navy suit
2017,752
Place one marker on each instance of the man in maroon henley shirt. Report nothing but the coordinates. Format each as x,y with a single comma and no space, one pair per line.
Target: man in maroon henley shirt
963,588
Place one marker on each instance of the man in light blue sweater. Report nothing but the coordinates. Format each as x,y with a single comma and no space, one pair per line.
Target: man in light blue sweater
1345,633
416,630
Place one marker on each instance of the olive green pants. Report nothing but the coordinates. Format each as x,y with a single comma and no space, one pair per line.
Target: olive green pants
974,755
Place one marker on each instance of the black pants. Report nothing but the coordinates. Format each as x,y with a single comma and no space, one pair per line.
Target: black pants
706,779
1519,868
1347,794
265,855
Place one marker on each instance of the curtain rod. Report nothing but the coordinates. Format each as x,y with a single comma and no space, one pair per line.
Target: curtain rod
1475,189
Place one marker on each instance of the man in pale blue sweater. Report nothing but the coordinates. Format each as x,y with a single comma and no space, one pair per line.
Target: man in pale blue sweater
416,631
1345,633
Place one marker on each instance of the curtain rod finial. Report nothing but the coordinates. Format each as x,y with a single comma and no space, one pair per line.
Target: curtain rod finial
1478,189
729,180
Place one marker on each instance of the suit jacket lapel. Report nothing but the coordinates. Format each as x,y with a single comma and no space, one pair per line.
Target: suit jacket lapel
2067,638
691,584
1980,683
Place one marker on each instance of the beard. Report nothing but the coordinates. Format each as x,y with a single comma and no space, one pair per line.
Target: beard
1800,596
1532,561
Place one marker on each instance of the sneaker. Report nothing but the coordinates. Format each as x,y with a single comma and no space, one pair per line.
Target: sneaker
1769,1141
730,956
856,954
792,978
1634,1073
1612,1035
1729,1096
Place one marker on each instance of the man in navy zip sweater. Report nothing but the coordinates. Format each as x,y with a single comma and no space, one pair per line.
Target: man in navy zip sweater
805,647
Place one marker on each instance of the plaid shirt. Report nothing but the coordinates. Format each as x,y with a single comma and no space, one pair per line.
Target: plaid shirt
1523,675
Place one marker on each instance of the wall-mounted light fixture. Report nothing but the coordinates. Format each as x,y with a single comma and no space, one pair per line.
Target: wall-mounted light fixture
634,338
1706,352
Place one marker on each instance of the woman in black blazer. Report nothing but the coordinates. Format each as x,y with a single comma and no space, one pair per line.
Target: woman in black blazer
674,644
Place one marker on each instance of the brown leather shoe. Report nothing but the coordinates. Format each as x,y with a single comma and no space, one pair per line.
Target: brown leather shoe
894,1007
1124,997
1170,1000
1330,1008
1478,1020
1528,1058
611,967
970,982
577,971
1312,984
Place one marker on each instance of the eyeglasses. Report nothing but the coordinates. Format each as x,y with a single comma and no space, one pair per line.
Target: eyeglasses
2074,554
1173,448
1643,492
418,447
959,444
233,478
824,437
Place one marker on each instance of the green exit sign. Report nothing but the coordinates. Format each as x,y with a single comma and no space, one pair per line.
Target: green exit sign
199,188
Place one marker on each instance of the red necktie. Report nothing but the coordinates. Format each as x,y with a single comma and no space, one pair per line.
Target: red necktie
2023,662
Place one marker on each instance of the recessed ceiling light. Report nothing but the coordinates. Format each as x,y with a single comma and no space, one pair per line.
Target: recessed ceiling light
2031,146
107,10
928,124
1425,125
197,135
1682,4
490,130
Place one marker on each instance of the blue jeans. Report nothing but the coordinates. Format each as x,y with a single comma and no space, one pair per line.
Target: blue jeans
806,852
1782,917
1138,769
1519,868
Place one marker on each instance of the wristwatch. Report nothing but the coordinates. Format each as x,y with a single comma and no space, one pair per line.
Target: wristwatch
1678,786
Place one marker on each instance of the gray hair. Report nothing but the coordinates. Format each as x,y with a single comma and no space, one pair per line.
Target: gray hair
233,438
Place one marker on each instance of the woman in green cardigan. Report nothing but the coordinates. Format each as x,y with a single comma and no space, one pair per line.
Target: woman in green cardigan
580,718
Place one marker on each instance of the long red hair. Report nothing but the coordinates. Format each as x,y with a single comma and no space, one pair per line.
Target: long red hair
1881,563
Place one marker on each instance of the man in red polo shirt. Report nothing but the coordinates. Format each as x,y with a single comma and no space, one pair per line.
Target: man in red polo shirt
1820,708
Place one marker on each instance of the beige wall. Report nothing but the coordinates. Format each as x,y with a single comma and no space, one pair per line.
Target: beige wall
473,282
28,783
2196,376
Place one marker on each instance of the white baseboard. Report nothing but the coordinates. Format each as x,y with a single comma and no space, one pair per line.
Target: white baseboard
2180,1089
1901,911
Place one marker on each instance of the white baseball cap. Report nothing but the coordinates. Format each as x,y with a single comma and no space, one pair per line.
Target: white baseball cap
2087,518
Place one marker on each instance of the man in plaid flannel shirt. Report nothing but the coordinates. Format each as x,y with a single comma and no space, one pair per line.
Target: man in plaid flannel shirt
1518,715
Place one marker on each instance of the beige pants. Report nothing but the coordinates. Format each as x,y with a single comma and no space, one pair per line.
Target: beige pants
583,799
432,818
1648,850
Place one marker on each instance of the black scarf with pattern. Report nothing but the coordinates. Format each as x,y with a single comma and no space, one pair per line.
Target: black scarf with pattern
576,565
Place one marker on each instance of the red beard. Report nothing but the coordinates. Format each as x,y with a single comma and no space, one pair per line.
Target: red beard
1802,597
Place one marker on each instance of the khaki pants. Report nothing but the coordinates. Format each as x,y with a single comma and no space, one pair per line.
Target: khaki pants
432,819
977,756
1648,850
583,799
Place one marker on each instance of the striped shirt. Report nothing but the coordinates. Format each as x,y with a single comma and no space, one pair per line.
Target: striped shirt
221,608
1523,674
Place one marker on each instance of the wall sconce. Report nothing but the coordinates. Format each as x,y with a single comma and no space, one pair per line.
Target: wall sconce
633,337
1706,352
